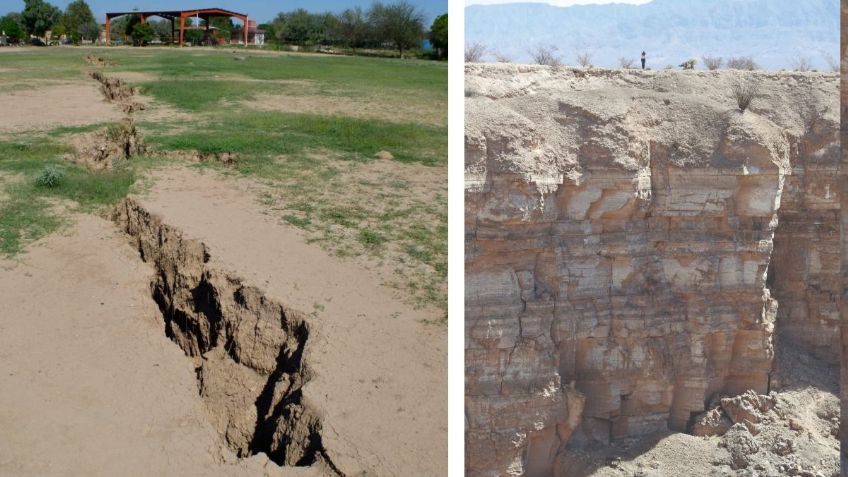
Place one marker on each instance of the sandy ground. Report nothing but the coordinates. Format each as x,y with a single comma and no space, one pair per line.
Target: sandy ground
75,104
89,384
350,107
381,372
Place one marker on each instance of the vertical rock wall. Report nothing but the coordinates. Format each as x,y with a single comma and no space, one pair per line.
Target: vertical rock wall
620,230
843,177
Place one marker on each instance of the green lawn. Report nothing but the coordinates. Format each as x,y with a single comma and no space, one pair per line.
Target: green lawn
318,163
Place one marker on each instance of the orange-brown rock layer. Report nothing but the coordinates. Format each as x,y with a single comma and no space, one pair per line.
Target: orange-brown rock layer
620,231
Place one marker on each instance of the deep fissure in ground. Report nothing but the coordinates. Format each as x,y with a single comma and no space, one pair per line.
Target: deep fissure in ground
248,350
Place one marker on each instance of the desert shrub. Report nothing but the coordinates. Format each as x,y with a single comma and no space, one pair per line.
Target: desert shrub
625,62
712,62
502,58
688,64
474,53
584,59
545,55
744,93
802,64
832,64
50,176
742,63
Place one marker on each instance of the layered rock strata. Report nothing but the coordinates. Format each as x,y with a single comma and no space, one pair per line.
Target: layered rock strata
622,231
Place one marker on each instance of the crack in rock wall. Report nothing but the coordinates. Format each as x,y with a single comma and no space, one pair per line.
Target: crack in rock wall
620,229
250,352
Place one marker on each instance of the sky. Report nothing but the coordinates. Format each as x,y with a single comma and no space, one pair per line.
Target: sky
262,11
557,3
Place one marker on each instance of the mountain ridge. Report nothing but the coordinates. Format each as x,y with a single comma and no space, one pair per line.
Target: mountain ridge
776,33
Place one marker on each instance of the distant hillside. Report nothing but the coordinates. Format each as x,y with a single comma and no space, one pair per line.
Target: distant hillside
775,32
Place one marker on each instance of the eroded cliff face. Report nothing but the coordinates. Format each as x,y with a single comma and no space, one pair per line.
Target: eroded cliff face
631,238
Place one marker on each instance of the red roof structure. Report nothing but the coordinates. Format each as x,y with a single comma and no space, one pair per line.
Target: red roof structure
173,15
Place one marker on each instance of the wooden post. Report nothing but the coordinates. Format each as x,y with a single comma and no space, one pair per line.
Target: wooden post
245,31
108,24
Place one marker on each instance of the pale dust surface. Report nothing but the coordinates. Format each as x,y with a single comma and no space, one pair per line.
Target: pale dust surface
89,383
363,108
47,107
380,372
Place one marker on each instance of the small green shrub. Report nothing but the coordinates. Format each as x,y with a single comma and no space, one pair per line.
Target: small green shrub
371,239
297,221
50,177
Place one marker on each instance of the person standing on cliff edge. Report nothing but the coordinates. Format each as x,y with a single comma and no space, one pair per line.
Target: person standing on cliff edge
643,60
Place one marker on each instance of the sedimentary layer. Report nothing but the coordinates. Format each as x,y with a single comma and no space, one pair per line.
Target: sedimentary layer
631,238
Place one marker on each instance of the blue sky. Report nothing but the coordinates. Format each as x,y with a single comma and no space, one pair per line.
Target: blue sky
261,10
557,3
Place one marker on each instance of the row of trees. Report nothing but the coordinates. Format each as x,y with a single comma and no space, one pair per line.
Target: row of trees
38,16
399,25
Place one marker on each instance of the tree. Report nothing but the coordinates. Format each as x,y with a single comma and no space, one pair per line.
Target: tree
194,36
79,22
352,27
296,27
12,25
162,30
142,34
399,23
223,24
439,35
39,16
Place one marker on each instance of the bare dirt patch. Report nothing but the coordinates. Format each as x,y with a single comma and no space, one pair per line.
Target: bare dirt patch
367,108
47,107
379,382
92,365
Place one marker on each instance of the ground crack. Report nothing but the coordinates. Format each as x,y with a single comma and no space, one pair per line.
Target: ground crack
248,350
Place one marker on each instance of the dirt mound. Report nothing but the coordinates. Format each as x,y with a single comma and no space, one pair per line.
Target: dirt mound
97,61
749,409
248,350
104,148
116,90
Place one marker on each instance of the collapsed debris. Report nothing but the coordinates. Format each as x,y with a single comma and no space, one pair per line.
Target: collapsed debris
104,148
118,91
97,61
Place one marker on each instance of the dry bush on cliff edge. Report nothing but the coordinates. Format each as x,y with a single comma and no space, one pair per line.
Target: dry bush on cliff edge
742,63
802,64
584,59
712,62
626,63
545,55
474,53
744,92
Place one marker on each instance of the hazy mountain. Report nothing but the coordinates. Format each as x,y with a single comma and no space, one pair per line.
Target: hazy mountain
775,32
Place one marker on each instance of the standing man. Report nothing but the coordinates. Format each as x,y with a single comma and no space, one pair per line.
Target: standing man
643,60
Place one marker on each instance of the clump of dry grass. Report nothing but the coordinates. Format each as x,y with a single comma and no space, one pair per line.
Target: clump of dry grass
745,92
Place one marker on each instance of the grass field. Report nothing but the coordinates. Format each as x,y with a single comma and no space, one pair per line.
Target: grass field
306,127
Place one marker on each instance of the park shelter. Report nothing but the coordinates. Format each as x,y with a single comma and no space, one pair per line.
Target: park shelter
173,15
